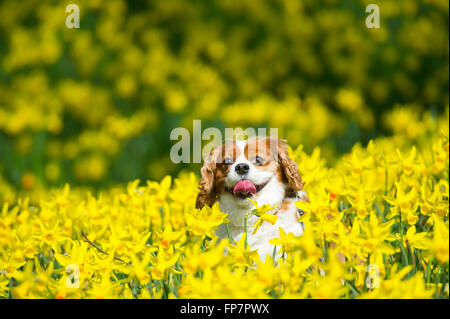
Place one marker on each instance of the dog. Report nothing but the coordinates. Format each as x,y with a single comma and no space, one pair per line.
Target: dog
258,168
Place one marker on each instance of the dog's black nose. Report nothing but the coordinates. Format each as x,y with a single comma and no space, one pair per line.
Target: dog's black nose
242,168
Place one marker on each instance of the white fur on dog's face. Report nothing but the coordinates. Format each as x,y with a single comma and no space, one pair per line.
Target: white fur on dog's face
272,193
254,175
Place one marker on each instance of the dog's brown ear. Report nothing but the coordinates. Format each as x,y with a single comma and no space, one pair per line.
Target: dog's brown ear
207,193
289,167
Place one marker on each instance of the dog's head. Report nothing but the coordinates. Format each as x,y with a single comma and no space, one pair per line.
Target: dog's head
258,168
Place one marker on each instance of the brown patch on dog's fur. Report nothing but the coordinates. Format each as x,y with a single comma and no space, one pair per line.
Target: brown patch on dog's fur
214,173
258,146
207,194
280,175
285,204
289,167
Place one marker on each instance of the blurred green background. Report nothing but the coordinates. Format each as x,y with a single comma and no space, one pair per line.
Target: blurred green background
95,106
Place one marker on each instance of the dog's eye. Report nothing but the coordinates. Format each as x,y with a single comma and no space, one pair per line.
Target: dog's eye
257,160
228,161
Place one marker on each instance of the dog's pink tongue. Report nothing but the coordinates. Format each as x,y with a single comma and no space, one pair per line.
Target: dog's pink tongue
244,187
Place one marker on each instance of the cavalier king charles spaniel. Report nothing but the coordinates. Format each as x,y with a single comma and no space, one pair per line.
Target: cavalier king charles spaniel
261,169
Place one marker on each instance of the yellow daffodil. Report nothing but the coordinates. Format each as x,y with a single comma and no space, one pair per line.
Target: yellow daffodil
416,240
168,236
288,242
242,256
163,264
261,212
203,222
51,236
439,245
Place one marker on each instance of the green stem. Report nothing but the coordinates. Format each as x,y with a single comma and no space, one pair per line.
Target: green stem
386,265
428,272
229,233
412,256
245,230
352,288
405,257
166,289
325,251
274,254
203,245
